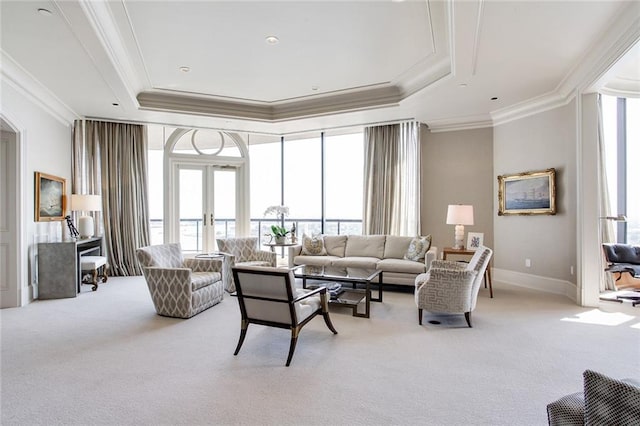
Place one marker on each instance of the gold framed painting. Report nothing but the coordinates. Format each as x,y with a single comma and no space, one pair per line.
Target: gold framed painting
528,193
50,197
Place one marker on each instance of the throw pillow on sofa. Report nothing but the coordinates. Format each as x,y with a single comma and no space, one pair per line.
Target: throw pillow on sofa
418,247
313,246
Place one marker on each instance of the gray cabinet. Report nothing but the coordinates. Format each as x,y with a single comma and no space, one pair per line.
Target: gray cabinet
59,273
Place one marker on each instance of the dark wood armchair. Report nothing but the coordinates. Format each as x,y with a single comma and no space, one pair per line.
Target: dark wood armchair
268,296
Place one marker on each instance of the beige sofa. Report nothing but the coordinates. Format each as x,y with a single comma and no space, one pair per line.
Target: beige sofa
384,252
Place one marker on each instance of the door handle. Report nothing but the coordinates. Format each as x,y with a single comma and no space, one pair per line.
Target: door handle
211,219
204,220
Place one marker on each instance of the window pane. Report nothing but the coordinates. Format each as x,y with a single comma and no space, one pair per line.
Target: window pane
303,182
191,209
633,171
224,203
344,162
264,160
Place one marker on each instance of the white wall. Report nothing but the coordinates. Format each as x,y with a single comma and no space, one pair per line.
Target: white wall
538,142
45,146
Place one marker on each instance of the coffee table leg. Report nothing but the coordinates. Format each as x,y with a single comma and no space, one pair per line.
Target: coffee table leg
379,298
304,283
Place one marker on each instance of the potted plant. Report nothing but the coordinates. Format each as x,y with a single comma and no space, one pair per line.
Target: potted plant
279,233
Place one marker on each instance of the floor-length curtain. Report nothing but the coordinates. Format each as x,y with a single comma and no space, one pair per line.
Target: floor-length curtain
392,179
606,226
111,159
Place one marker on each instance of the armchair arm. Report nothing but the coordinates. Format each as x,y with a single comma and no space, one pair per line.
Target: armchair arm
323,297
292,252
168,278
267,256
203,265
449,264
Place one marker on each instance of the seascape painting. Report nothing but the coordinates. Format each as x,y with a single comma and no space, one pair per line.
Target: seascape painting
50,197
527,193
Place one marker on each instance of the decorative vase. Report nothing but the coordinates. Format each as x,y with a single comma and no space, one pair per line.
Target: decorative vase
280,240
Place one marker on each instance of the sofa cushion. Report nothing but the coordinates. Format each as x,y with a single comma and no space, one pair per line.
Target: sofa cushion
365,246
314,260
335,244
395,247
609,401
356,262
418,247
401,265
313,246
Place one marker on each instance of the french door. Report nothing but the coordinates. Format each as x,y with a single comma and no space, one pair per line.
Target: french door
204,205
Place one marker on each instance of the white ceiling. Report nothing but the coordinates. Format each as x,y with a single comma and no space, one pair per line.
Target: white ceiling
337,64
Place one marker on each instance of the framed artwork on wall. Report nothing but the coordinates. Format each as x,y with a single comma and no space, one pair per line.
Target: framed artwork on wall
50,197
527,193
474,240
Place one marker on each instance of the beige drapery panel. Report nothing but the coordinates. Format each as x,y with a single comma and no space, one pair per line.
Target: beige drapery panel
110,159
606,226
392,179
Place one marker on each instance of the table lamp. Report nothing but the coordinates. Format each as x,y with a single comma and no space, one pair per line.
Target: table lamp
459,215
85,203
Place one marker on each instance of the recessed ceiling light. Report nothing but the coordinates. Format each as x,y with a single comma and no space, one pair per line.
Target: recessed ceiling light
495,98
272,40
185,69
314,87
44,12
462,85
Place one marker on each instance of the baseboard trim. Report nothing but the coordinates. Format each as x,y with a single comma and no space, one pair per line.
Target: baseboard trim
536,282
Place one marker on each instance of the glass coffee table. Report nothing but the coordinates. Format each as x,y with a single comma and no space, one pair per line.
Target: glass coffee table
348,297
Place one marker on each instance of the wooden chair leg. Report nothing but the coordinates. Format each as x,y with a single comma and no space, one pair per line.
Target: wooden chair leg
292,345
243,334
327,321
419,316
94,278
467,316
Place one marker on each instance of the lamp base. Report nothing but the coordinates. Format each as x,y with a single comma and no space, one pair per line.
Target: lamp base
458,242
85,226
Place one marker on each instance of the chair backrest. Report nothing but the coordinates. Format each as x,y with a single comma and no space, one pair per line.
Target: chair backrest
161,256
479,263
266,294
242,248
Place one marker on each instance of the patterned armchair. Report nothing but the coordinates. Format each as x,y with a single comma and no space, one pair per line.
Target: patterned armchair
452,287
242,252
180,287
268,296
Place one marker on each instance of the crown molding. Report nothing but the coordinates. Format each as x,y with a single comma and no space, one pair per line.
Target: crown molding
271,112
106,31
18,78
460,123
623,33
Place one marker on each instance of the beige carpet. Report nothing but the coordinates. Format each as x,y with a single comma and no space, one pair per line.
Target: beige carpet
105,357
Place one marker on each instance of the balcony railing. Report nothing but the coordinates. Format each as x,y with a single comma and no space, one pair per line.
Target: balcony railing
191,229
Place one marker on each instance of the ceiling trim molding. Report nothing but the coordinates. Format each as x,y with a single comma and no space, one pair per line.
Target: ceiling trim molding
20,79
311,107
460,123
623,33
106,31
476,37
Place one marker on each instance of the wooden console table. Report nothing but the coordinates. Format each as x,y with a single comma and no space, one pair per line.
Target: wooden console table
462,252
59,272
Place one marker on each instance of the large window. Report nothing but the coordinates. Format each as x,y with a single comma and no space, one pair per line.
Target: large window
318,177
622,141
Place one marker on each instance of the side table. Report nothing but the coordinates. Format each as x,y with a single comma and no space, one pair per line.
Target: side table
463,252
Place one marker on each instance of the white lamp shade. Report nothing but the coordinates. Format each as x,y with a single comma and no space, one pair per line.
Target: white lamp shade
459,214
85,203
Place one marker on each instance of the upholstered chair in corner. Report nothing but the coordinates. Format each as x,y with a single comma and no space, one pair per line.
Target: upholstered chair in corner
180,287
452,287
242,252
268,296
